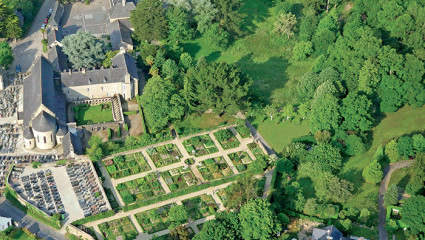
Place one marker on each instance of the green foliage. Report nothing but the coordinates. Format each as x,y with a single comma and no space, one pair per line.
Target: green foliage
44,43
107,62
84,50
109,133
119,131
354,145
326,156
284,166
216,37
284,24
357,112
308,27
152,12
226,225
391,150
322,40
405,146
302,50
240,192
177,215
373,172
419,143
6,55
258,221
228,15
324,110
95,152
93,218
178,24
391,195
413,213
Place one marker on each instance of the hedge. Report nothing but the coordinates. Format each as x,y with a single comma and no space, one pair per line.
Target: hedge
130,113
190,131
191,189
302,216
273,182
92,218
11,195
142,117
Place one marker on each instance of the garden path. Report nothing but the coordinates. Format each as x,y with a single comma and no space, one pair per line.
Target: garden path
222,152
382,189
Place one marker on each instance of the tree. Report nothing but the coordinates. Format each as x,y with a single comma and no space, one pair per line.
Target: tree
226,225
228,15
405,146
205,13
357,112
379,154
413,213
270,111
329,187
95,151
285,24
373,172
308,27
364,215
107,62
6,55
186,61
324,110
391,195
241,192
177,215
354,145
180,233
178,25
149,21
84,50
216,37
284,166
258,221
322,40
326,156
310,207
170,70
322,136
391,150
307,85
12,28
160,103
419,143
258,165
302,50
369,77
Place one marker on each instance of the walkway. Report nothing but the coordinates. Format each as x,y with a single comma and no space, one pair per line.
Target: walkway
382,189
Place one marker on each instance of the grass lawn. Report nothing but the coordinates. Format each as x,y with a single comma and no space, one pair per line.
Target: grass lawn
195,123
93,114
280,135
364,232
405,121
19,235
400,177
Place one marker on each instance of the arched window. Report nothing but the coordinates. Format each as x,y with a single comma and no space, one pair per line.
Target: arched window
51,137
45,140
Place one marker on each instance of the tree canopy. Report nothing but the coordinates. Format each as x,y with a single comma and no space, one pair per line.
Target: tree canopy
150,23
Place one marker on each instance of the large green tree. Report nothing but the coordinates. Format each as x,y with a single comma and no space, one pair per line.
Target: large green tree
373,172
205,13
84,50
391,195
258,221
413,213
178,25
6,55
149,21
356,110
225,226
241,192
228,15
324,109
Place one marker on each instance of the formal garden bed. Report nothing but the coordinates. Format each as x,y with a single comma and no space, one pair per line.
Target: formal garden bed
200,206
179,178
154,220
120,227
227,139
85,114
240,160
255,149
164,155
200,145
243,130
140,189
214,168
260,183
123,166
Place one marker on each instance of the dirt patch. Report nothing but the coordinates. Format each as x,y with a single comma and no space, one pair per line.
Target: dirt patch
135,127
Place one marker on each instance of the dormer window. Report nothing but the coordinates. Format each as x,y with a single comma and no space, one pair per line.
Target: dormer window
89,81
104,79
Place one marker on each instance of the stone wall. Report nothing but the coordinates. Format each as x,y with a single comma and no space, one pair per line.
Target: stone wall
100,126
78,232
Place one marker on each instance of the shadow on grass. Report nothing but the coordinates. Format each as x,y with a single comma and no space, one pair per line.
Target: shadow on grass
191,48
213,56
253,11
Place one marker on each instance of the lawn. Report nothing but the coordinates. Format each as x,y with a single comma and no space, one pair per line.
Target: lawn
164,155
280,135
405,121
214,168
85,114
19,234
119,227
123,166
200,145
198,123
179,178
200,207
154,220
400,177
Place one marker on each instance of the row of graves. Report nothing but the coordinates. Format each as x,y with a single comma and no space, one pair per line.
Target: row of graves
9,134
9,98
41,191
86,188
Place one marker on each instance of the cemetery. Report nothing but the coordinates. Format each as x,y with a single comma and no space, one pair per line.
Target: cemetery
8,138
126,165
9,98
200,145
164,155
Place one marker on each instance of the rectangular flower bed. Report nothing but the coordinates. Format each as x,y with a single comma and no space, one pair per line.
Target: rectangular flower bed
119,227
240,160
123,166
179,178
255,149
140,189
154,220
200,145
200,207
164,155
227,139
214,168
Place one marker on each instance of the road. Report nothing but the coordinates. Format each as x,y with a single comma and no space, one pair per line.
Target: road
26,50
41,230
382,189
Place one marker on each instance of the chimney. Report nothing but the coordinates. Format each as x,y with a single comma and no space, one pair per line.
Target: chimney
70,71
83,70
123,3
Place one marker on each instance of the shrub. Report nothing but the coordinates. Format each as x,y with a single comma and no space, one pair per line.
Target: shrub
111,168
119,132
109,133
302,50
95,217
126,127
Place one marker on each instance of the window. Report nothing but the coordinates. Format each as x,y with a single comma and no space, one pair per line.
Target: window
51,137
38,138
45,141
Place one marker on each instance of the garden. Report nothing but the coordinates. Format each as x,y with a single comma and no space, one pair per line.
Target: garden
255,149
260,183
200,145
179,178
227,139
243,130
214,168
240,160
119,227
164,155
123,166
200,207
154,220
85,114
140,189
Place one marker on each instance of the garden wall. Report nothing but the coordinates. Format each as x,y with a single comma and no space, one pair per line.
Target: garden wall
78,232
100,126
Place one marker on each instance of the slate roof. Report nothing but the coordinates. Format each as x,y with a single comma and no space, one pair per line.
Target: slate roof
58,58
40,89
122,64
324,233
44,122
118,11
120,34
71,144
54,35
56,16
28,133
61,131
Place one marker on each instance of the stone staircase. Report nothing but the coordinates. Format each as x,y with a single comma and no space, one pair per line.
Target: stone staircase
117,109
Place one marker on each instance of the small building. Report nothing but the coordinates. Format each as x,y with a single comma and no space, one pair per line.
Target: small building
56,16
58,58
120,10
5,223
54,36
326,233
120,32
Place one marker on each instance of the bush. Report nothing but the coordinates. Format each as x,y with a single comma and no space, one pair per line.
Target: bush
302,50
109,133
119,132
44,42
243,130
92,218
